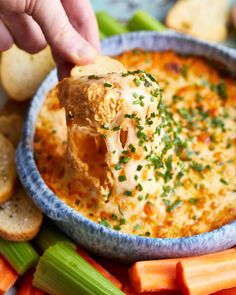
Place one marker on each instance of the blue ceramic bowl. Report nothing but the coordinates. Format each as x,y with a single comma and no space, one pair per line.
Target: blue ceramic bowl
97,238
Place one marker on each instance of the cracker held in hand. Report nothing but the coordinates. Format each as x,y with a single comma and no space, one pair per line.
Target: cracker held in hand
101,65
7,168
20,219
205,19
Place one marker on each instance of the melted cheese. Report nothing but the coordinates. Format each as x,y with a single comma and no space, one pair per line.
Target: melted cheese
178,158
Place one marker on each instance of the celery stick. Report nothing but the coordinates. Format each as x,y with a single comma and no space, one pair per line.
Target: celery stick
108,25
20,255
142,20
50,235
62,271
101,35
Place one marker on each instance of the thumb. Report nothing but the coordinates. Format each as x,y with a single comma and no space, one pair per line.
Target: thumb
64,40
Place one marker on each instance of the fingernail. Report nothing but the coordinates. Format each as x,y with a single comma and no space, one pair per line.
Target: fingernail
85,54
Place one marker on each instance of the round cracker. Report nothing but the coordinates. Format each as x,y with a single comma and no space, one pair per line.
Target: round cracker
21,72
20,219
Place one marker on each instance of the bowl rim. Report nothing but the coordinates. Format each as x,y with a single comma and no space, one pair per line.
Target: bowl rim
42,195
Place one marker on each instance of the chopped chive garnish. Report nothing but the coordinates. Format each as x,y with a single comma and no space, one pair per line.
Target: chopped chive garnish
114,217
135,95
117,128
139,167
140,197
120,211
130,116
137,81
93,77
222,90
107,85
193,201
132,148
217,122
117,227
139,187
107,197
139,101
124,160
184,71
151,77
199,97
166,202
118,166
222,180
122,178
155,92
128,193
137,227
122,221
196,166
104,222
136,177
176,204
105,126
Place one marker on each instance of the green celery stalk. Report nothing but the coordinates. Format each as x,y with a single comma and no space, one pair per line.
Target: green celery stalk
20,255
62,271
49,235
108,25
102,35
142,20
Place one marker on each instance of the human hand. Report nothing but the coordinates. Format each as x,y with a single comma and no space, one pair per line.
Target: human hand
65,25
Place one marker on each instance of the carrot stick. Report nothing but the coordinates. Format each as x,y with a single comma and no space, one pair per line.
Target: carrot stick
159,275
26,287
99,268
8,276
154,275
231,291
207,274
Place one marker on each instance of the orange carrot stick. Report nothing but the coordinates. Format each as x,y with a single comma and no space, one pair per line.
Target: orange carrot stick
26,287
99,268
207,274
8,276
154,275
159,275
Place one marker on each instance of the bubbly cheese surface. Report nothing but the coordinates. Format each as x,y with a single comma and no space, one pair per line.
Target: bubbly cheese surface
172,159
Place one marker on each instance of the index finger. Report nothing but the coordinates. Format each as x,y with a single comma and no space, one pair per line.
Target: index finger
65,41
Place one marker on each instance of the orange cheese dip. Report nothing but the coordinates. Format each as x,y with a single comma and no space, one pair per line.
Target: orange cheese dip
195,184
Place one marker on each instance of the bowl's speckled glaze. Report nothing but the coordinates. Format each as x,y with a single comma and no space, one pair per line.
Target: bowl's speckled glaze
97,238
